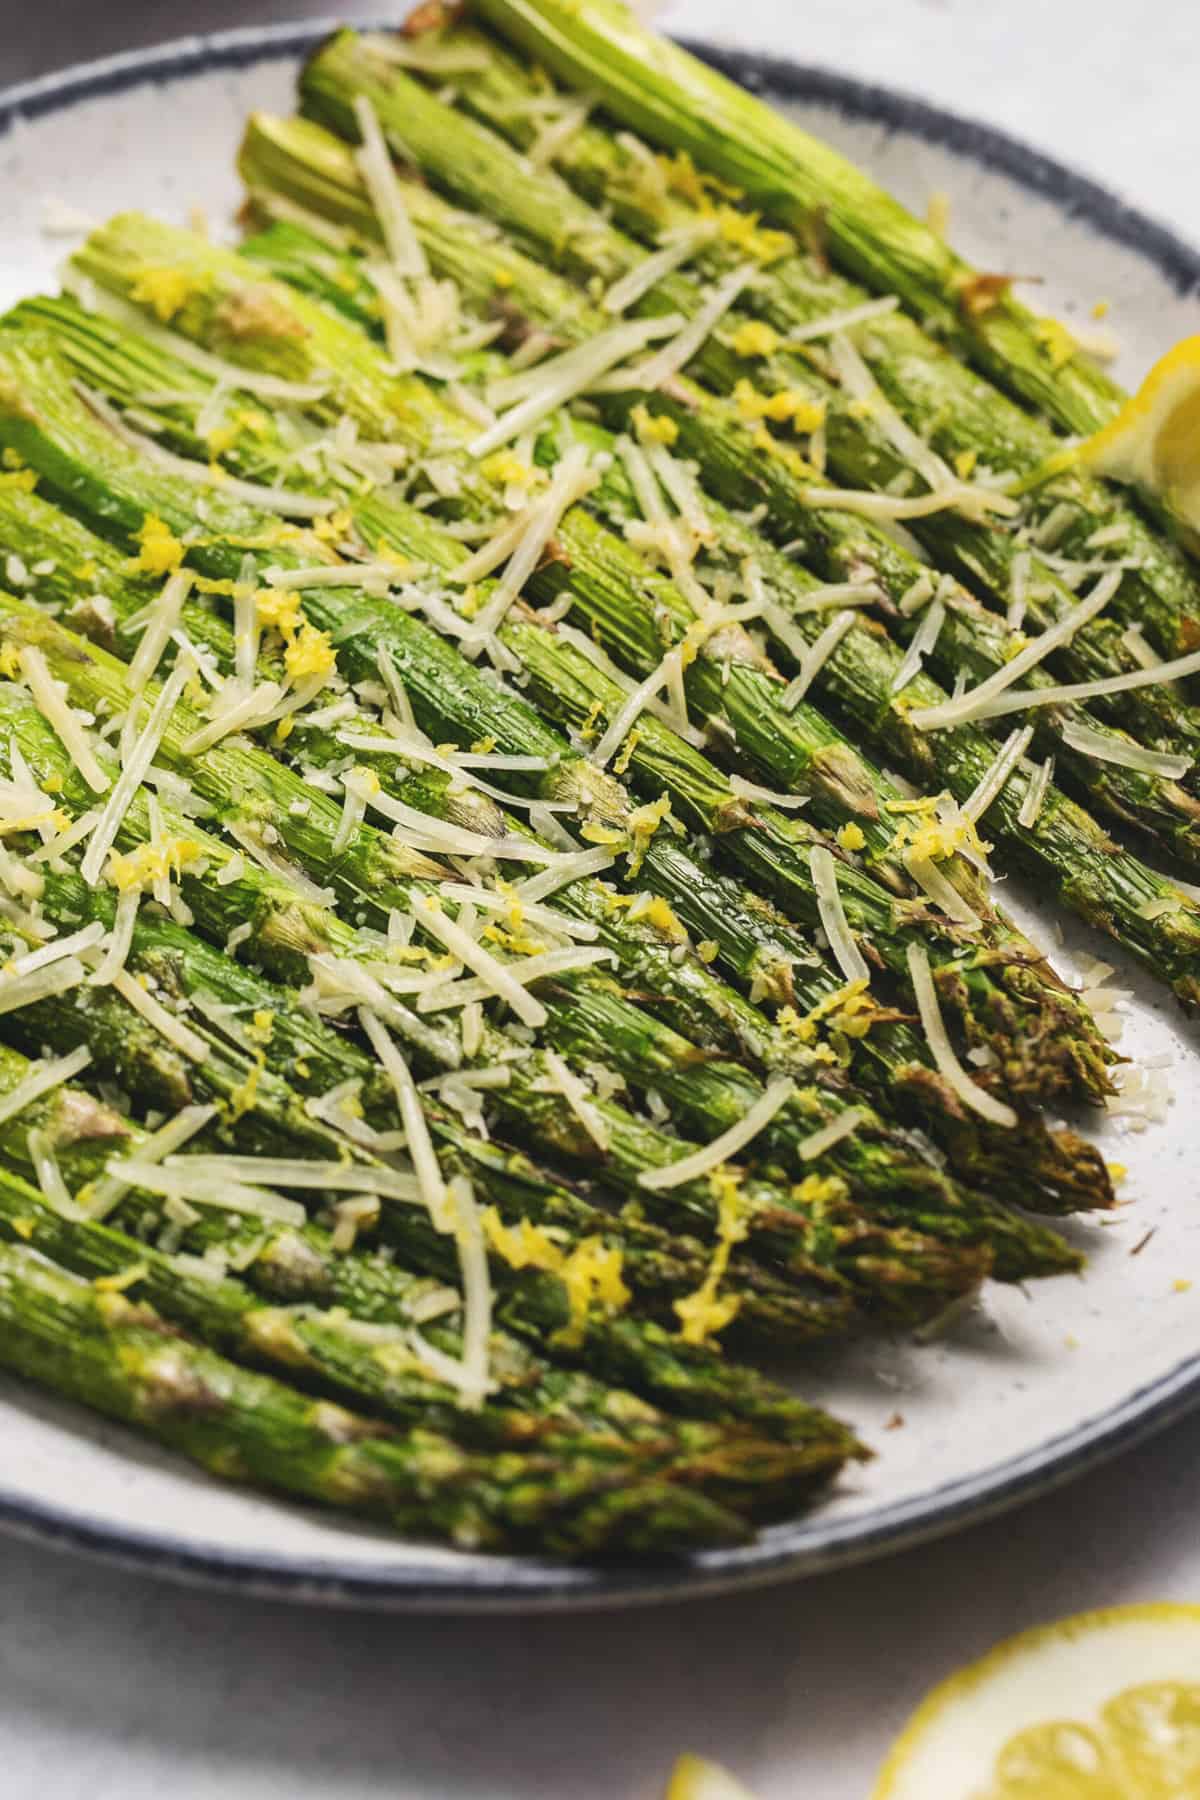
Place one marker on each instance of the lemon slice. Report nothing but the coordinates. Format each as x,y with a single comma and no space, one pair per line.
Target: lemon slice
1154,441
693,1778
1105,1706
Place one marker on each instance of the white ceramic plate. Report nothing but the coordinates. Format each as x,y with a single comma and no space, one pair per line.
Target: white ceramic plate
1033,1389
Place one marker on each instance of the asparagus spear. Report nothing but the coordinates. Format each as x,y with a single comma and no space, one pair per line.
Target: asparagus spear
715,1016
123,1359
301,1051
585,546
548,218
783,1225
292,1265
285,161
671,1067
816,754
1056,1172
277,1322
265,1111
671,98
951,409
818,1235
873,1170
1120,906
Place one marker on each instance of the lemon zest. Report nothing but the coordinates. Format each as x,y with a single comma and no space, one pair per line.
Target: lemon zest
653,428
160,551
167,290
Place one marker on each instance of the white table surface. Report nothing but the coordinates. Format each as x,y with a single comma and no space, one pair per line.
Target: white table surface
114,1687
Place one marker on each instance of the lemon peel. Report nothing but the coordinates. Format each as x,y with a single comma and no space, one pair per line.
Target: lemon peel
695,1778
1096,1707
1154,441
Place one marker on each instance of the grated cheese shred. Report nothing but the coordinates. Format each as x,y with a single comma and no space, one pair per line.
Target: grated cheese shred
846,953
975,703
189,1043
997,1112
133,771
562,1080
42,1079
1109,747
61,717
994,779
774,1097
816,655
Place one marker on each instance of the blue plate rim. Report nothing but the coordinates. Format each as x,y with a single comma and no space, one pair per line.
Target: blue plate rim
813,1545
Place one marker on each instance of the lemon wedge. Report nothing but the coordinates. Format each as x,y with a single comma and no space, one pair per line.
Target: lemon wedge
1154,441
1104,1706
694,1778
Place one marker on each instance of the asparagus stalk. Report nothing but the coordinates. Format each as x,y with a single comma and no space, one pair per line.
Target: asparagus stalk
548,218
808,1238
822,1238
949,407
298,1265
262,1087
1118,901
585,545
123,1359
275,1318
591,1025
873,1169
671,98
290,161
1053,1171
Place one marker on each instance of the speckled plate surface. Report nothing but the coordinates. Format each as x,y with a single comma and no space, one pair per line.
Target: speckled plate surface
1037,1385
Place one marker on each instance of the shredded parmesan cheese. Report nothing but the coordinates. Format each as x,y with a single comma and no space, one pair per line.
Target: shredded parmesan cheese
861,388
652,269
815,656
997,1112
430,1181
120,938
561,378
382,184
818,1142
298,1172
562,1080
573,478
61,717
846,953
207,1190
1107,747
43,1077
976,702
829,595
750,790
992,781
676,354
171,1136
924,640
1035,794
1162,675
133,771
774,1097
17,991
189,1043
574,867
474,956
475,1380
942,892
164,617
